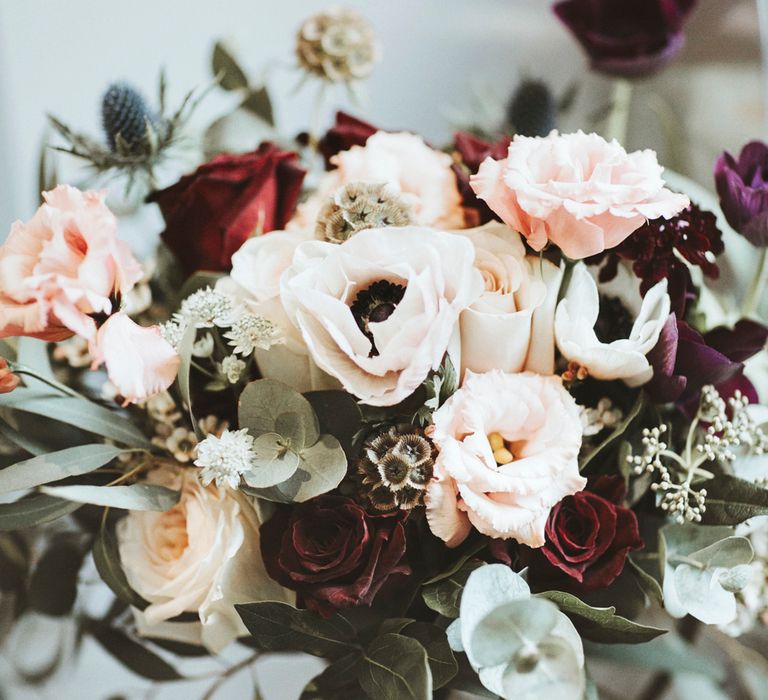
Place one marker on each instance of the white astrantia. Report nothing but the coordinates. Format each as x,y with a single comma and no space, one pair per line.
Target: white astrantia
604,415
172,332
203,346
224,459
206,308
232,367
250,331
623,358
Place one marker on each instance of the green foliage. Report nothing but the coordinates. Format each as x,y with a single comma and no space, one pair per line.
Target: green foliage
133,497
106,556
731,501
34,510
54,466
53,586
617,432
395,668
294,461
133,655
601,624
444,595
439,387
232,77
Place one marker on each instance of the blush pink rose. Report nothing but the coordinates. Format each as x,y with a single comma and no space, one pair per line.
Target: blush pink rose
538,422
63,268
578,191
64,272
379,311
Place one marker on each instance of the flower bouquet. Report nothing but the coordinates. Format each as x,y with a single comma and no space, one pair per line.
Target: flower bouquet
451,419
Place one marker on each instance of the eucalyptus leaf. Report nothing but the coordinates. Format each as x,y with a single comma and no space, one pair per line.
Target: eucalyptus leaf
24,442
106,556
258,102
133,655
54,466
33,353
53,586
617,432
648,583
702,596
133,497
274,462
731,501
444,596
727,553
226,68
265,403
441,660
34,510
395,667
81,413
339,415
509,628
601,624
281,627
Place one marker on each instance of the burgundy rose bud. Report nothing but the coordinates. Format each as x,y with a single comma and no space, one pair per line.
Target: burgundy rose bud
333,553
470,152
589,536
348,131
212,212
627,38
743,189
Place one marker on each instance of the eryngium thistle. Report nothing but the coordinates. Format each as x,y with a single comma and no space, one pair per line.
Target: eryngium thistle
395,468
358,206
125,114
337,45
532,110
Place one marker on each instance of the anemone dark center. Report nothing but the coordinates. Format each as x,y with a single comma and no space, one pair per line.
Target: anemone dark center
375,304
614,322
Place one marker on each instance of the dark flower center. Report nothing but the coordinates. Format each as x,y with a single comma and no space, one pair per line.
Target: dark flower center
614,321
375,304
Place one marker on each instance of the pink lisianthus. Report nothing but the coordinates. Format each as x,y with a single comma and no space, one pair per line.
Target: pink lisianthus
509,446
578,191
64,273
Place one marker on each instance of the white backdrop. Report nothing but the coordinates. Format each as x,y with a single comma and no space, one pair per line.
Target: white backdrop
59,57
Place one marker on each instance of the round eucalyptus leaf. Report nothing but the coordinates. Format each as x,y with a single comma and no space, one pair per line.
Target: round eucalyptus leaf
727,553
700,593
733,580
511,628
274,462
267,406
557,674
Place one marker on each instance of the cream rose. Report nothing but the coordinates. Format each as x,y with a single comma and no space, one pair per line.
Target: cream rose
509,446
421,175
379,311
202,556
578,191
255,282
511,326
611,358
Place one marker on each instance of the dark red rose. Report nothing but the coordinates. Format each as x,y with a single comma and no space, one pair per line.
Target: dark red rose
628,38
589,536
333,553
470,151
348,131
212,212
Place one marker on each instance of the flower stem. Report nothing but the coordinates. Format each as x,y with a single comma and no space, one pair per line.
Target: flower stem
757,287
29,372
618,118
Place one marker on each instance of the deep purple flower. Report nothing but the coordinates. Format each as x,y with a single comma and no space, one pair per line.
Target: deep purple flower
627,38
743,188
684,361
656,249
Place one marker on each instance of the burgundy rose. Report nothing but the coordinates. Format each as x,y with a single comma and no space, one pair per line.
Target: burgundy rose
589,536
743,189
212,212
333,553
627,38
470,152
348,131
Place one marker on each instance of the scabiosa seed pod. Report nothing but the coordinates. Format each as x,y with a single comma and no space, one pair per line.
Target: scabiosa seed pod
358,206
532,110
337,45
125,114
395,467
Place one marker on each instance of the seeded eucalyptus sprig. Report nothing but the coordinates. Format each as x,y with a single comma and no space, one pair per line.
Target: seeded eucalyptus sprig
137,138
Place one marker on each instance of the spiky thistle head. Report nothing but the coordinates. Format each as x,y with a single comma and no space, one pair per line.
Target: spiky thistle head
126,118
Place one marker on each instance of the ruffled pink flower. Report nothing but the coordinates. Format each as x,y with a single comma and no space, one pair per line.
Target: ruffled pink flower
578,191
505,495
64,268
140,362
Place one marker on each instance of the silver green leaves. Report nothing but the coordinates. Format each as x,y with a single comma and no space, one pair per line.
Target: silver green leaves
521,647
703,568
294,461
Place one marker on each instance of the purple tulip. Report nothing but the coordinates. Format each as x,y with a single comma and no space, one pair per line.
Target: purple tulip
627,38
743,188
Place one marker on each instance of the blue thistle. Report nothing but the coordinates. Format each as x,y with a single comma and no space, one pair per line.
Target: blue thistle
532,110
125,112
